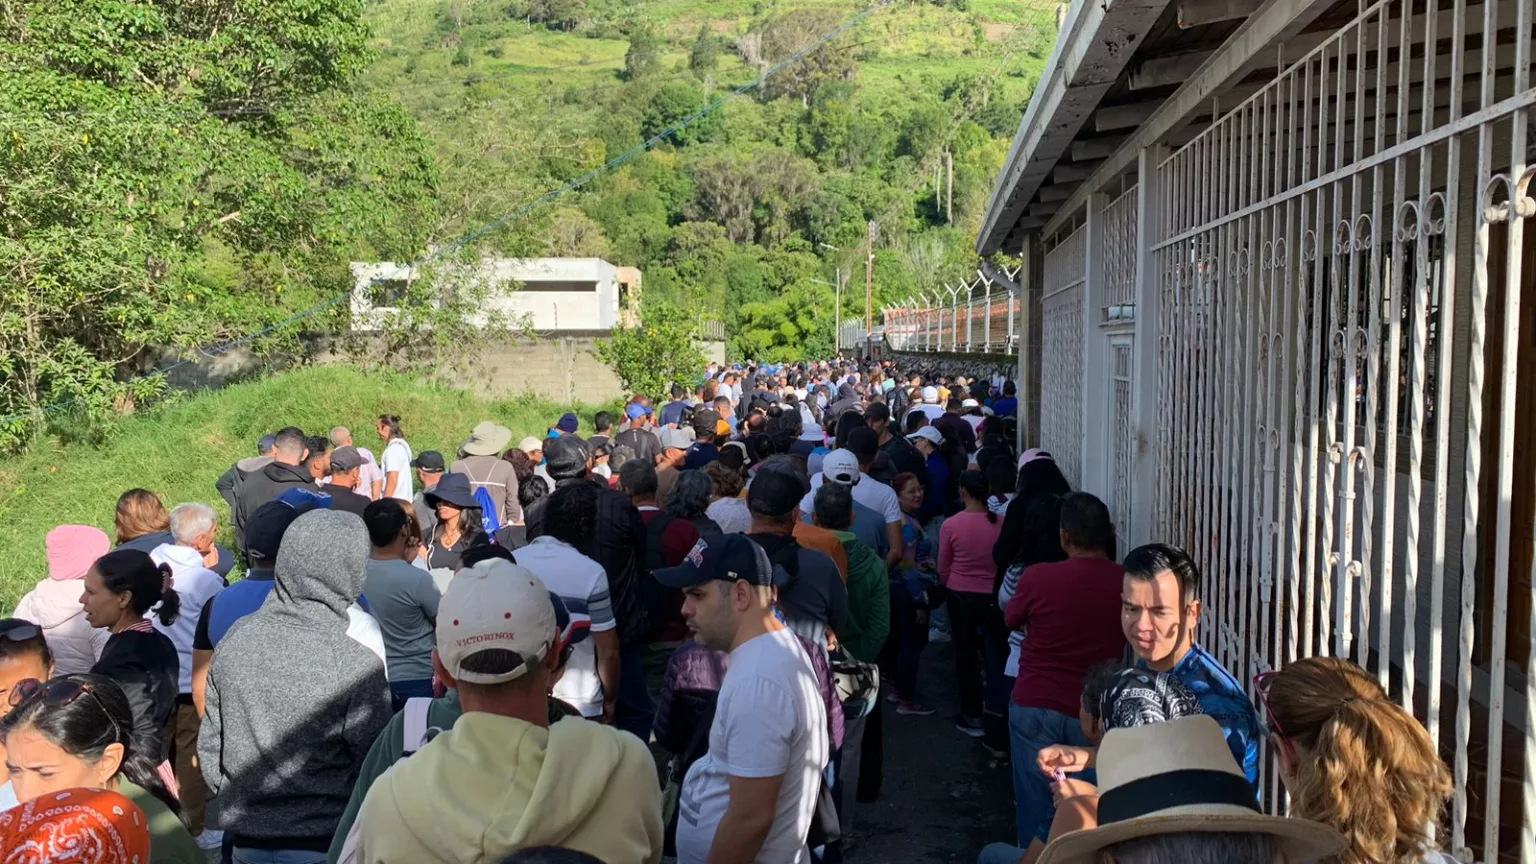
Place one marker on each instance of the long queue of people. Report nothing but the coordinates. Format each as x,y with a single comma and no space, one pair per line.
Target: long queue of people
465,660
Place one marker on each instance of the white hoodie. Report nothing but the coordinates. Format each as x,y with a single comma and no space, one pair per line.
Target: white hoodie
54,605
196,584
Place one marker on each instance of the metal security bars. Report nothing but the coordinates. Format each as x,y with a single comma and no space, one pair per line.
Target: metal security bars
972,317
1345,266
1120,237
1061,347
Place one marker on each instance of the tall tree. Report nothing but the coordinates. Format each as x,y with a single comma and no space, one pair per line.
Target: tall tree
644,55
704,56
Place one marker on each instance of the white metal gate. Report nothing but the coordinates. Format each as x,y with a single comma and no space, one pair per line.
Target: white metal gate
1334,256
1061,350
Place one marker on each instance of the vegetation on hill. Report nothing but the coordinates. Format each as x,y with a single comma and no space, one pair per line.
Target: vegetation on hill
746,213
180,448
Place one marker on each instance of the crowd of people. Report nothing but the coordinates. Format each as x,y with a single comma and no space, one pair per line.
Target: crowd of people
677,631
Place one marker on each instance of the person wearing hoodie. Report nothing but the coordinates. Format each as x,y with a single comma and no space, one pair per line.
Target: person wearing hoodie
287,470
293,702
847,400
504,778
54,603
228,484
192,525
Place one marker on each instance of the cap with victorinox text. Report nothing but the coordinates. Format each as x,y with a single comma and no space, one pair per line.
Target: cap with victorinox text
495,604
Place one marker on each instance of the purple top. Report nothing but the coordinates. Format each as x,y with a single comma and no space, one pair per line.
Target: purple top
696,668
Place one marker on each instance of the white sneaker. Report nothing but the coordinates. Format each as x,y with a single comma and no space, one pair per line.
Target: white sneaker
210,840
938,635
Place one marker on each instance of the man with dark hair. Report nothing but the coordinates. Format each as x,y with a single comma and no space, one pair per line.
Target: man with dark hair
952,418
504,777
1159,615
704,450
286,471
403,598
346,473
1070,609
1008,405
638,434
672,412
430,466
602,430
815,599
591,680
618,546
753,796
897,455
667,541
228,485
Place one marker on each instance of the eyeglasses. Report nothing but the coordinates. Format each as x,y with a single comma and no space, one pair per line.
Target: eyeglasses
1261,685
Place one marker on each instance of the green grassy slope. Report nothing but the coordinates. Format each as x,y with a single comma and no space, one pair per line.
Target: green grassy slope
180,449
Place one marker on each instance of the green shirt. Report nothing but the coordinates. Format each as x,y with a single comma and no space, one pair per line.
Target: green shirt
169,841
869,601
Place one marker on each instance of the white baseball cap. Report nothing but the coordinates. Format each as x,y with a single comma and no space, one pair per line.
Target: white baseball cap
677,439
929,434
494,604
530,444
931,395
841,466
970,403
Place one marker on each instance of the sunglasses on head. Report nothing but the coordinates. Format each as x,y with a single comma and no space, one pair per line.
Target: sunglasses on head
20,631
1271,725
58,692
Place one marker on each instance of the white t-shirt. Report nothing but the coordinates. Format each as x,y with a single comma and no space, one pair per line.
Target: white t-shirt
769,721
871,493
933,412
583,585
397,457
363,629
368,474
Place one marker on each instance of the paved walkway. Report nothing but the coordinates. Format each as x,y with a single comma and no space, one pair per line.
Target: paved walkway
944,795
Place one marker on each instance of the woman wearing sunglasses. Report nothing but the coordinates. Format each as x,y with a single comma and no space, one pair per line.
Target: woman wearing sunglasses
76,731
1354,760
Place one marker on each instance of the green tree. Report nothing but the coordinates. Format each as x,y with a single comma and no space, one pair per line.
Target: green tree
673,103
704,56
563,14
663,348
644,55
787,35
176,177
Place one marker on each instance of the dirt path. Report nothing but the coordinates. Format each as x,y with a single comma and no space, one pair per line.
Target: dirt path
944,796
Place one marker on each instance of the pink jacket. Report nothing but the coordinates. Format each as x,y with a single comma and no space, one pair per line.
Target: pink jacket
54,604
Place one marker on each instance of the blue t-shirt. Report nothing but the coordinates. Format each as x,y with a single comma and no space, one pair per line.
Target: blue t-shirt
1006,406
1223,698
672,413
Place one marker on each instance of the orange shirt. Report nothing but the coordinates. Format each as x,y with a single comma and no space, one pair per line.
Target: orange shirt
823,541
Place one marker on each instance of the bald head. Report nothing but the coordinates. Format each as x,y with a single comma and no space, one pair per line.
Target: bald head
341,437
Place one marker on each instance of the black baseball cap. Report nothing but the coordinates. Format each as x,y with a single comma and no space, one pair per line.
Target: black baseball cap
726,557
430,461
264,532
566,457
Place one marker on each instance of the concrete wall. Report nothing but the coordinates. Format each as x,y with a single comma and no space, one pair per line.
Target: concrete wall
529,302
559,368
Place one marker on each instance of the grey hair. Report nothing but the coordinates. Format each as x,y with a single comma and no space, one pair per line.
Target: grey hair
341,436
1196,847
191,521
691,496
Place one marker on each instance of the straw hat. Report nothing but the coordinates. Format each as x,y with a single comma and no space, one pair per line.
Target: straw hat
1179,777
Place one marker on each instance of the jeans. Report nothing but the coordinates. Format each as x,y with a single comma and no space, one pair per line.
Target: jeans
999,853
278,856
635,712
976,628
399,691
1032,730
904,647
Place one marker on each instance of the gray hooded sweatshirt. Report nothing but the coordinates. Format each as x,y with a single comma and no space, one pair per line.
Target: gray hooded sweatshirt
293,702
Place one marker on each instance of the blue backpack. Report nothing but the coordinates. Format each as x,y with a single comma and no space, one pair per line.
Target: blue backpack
488,518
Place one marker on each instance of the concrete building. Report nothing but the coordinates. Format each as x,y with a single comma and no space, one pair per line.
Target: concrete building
1279,307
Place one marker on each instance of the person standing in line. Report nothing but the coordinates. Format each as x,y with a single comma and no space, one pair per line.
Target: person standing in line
459,525
753,796
668,539
674,451
403,598
397,459
915,591
590,683
294,702
370,477
346,478
285,472
429,465
228,484
480,460
193,526
24,656
602,430
728,509
637,435
120,590
54,603
966,570
1070,608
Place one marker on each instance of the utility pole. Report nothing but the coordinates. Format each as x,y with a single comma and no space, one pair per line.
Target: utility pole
869,286
949,187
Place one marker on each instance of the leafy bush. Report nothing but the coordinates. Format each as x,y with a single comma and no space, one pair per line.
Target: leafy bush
661,350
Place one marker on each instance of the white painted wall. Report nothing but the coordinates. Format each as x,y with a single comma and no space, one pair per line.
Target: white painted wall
523,300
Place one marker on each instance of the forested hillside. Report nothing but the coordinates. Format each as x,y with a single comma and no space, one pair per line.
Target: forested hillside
746,213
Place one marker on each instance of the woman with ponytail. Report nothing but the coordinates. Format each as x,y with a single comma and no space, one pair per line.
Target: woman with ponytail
1356,761
77,731
121,588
